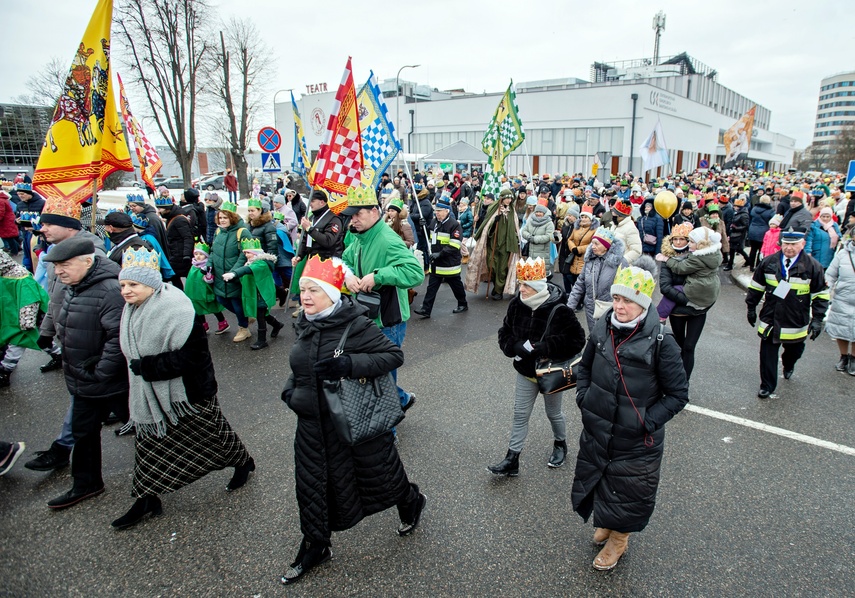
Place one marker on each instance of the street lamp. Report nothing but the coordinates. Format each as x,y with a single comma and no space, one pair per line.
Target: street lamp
398,96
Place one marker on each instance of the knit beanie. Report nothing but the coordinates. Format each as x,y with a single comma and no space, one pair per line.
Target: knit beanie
573,210
142,266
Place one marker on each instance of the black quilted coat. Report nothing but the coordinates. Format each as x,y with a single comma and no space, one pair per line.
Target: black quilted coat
338,485
87,326
617,469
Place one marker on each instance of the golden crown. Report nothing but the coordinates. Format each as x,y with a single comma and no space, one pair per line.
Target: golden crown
62,206
361,196
635,279
140,258
531,269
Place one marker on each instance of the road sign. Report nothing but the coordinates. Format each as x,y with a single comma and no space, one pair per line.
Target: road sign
850,177
759,164
269,139
270,162
704,164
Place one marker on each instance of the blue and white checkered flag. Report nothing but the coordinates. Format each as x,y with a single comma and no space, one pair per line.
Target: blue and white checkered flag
301,158
379,144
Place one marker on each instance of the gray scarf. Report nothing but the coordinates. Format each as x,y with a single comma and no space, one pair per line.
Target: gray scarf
161,324
539,220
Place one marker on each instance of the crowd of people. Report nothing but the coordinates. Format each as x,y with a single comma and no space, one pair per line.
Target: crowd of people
122,310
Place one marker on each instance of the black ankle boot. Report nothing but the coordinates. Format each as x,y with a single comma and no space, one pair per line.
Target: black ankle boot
309,556
281,295
241,475
142,507
509,467
261,342
559,454
275,324
842,364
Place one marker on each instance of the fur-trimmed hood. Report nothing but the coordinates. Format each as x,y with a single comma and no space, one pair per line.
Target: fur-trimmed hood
613,256
595,222
261,220
669,251
708,250
267,256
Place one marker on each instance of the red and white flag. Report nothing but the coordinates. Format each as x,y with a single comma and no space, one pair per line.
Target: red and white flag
339,163
150,163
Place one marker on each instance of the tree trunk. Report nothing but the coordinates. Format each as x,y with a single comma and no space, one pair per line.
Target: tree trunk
244,188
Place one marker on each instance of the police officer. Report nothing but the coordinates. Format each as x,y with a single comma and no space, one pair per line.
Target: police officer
792,284
446,237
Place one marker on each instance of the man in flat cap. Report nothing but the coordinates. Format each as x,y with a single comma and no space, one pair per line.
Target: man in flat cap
95,369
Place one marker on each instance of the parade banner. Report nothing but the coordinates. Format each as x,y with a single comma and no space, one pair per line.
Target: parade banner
301,159
84,141
504,134
654,152
150,163
737,139
379,144
340,160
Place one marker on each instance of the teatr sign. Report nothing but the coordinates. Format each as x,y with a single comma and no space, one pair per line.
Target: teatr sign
316,88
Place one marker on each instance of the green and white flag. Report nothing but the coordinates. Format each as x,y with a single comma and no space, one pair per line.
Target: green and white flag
504,134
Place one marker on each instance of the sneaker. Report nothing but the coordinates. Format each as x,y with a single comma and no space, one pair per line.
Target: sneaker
205,326
406,528
15,450
222,327
56,457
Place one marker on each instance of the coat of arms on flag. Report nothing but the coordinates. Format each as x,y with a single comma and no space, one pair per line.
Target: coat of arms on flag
379,144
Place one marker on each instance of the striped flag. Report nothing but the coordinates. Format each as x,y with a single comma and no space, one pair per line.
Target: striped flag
301,155
340,159
150,163
504,134
379,144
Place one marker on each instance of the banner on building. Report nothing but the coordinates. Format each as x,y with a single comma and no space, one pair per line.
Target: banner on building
301,160
379,144
150,163
654,151
504,134
84,141
737,139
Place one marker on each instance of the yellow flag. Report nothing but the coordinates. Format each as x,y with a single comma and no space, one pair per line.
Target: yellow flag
85,139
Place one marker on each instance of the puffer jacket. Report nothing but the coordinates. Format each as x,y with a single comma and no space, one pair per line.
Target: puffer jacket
564,339
759,221
628,234
798,218
650,224
668,280
179,236
623,413
595,281
338,485
739,226
226,256
8,226
818,243
579,240
263,229
87,327
701,282
840,278
539,237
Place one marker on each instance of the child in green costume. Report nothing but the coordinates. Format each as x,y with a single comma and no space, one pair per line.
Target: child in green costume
258,292
200,290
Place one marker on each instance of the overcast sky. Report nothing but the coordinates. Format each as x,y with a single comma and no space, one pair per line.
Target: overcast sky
774,53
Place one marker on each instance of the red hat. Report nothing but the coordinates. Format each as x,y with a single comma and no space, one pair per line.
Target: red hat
622,207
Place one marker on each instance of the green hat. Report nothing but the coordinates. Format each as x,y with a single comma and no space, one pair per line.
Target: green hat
396,204
203,247
623,183
254,203
252,244
713,207
228,207
278,216
505,193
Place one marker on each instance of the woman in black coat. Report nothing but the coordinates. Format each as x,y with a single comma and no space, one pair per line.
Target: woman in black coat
525,338
338,484
760,215
630,383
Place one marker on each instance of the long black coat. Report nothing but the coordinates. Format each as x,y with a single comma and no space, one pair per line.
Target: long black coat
179,235
620,448
87,327
338,484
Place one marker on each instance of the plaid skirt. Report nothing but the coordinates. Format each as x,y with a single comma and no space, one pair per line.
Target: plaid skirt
200,443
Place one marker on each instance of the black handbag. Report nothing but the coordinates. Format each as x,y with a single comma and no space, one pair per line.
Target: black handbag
364,408
555,376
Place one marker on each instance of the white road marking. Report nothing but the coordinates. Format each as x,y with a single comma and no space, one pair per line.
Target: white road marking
840,448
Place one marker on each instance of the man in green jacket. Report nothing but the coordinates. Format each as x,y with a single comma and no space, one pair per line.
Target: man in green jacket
378,260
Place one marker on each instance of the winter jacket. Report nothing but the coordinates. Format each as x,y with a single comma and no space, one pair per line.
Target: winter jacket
577,245
466,220
719,228
840,277
651,224
786,320
158,228
668,281
759,221
230,182
739,226
87,327
179,236
129,239
326,236
192,363
539,237
701,283
35,204
727,213
226,256
624,410
595,281
564,339
626,232
211,216
8,224
263,229
798,218
771,242
818,243
381,251
423,218
299,207
445,248
199,218
338,485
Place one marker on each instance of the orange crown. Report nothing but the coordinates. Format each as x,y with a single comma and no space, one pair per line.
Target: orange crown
62,206
329,271
531,269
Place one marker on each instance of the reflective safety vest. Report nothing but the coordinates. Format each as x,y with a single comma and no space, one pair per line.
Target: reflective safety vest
445,239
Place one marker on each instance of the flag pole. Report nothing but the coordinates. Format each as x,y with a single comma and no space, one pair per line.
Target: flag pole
94,203
416,198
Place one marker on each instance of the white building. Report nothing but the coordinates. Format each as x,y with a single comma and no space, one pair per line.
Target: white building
836,107
567,121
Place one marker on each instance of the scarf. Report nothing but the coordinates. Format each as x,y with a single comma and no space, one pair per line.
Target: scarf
630,324
161,324
539,220
321,315
536,300
832,234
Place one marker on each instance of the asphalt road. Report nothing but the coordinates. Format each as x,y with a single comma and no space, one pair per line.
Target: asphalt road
741,511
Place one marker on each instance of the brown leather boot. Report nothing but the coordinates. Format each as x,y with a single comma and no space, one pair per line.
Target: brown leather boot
611,552
601,534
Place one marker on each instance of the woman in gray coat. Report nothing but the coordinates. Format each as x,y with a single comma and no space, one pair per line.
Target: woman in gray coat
602,259
538,230
840,324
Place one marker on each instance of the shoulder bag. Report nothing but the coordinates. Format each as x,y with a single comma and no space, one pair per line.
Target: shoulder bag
555,376
364,408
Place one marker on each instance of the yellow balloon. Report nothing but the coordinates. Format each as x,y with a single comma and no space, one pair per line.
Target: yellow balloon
665,204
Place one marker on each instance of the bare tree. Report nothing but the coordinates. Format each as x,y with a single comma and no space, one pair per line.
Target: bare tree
844,149
242,63
45,87
166,53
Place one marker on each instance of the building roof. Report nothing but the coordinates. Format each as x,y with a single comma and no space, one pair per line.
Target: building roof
457,152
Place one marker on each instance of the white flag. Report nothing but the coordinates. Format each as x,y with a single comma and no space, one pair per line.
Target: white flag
654,152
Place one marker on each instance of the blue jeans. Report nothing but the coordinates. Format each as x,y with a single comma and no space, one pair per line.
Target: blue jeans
65,437
234,305
396,334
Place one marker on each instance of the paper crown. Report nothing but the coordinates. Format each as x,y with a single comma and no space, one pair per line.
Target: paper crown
329,271
140,258
396,203
135,198
279,216
531,269
605,236
203,247
28,216
228,206
139,220
623,207
161,201
24,187
250,245
254,203
682,230
632,282
361,197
